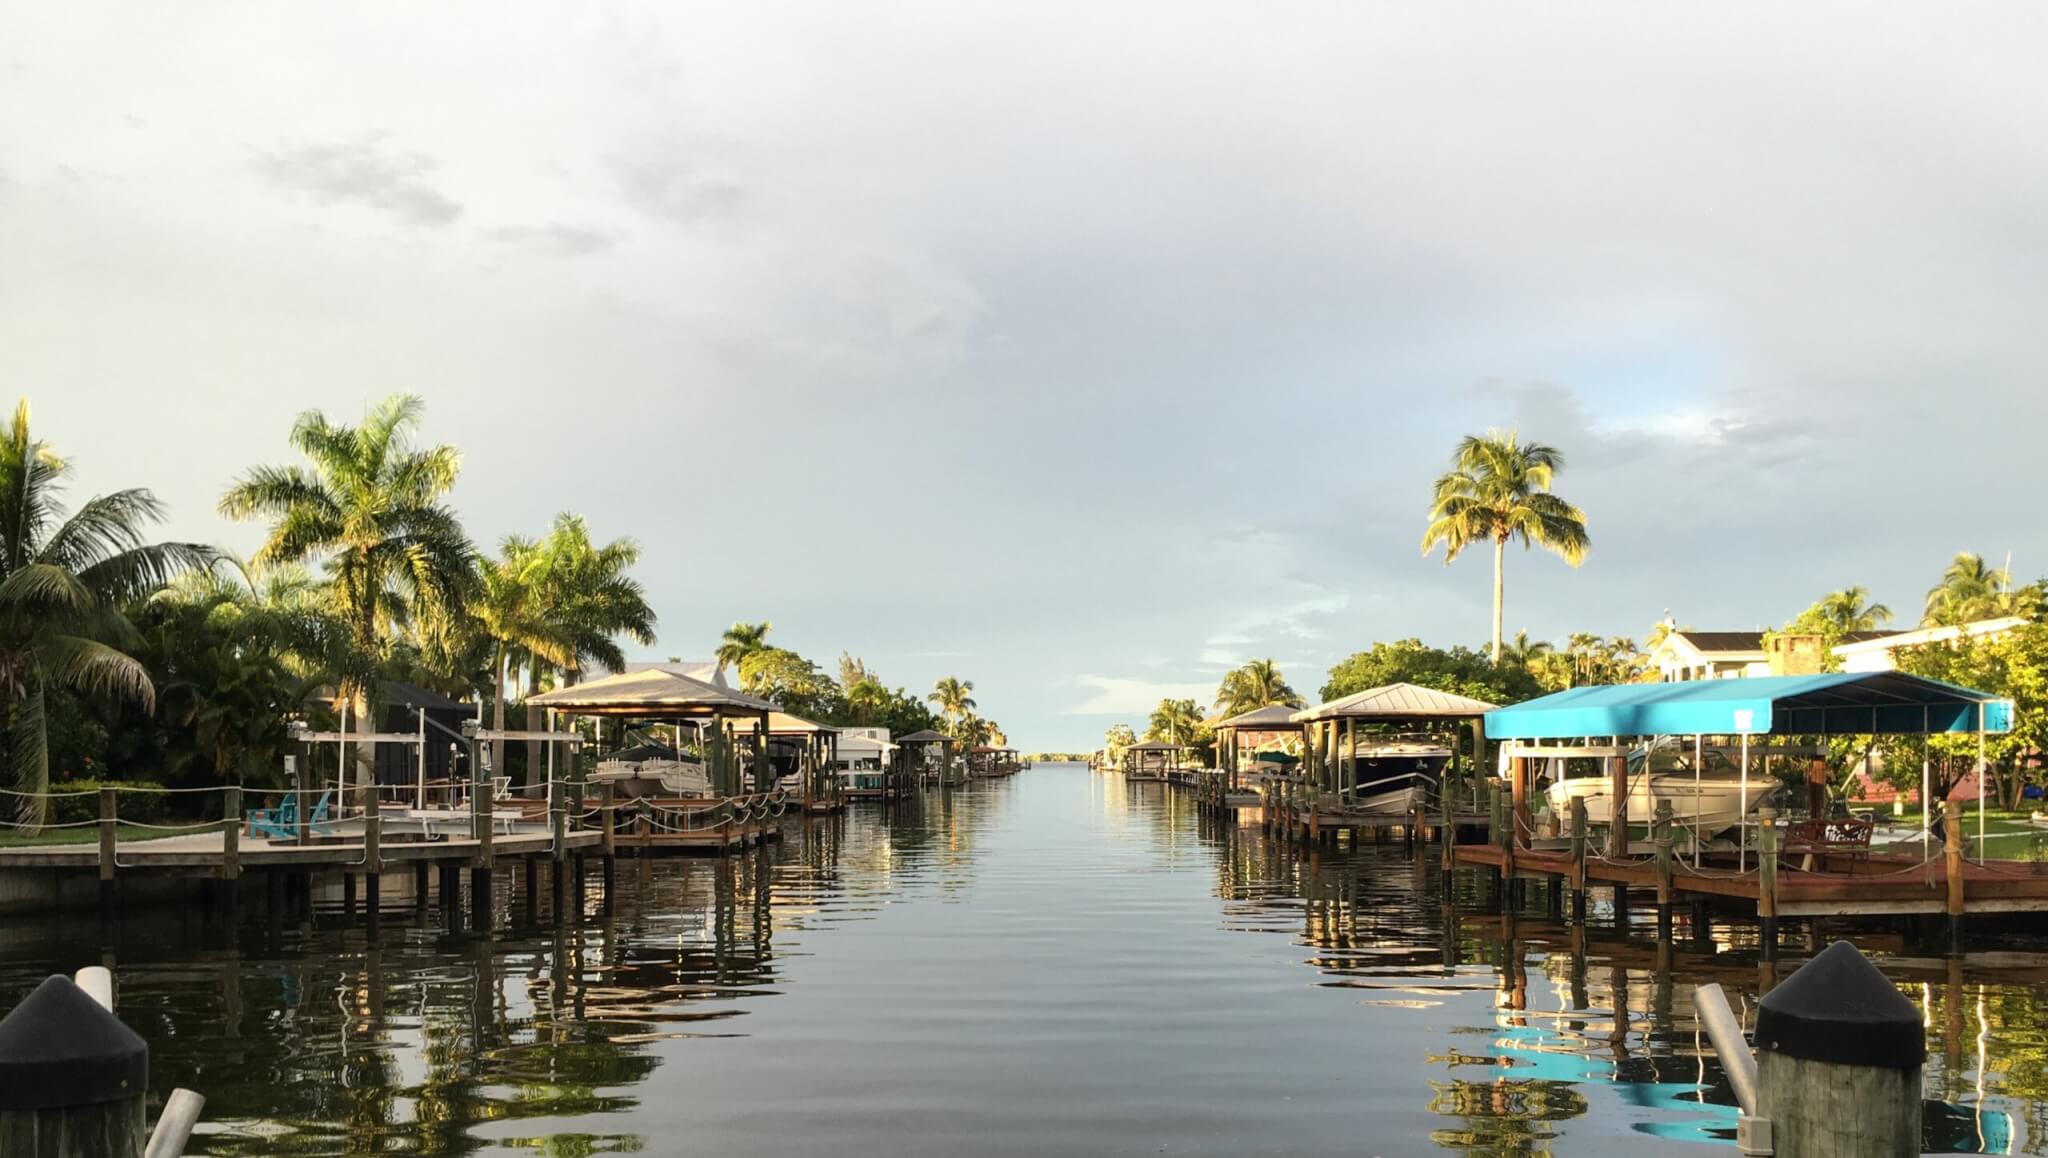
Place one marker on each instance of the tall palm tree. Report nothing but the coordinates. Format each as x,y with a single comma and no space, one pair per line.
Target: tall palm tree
511,609
955,698
1497,490
741,640
370,509
63,581
1968,590
1258,684
1850,609
591,598
1525,651
1174,721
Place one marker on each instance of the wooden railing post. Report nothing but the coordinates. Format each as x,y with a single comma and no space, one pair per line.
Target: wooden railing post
1767,880
231,834
1663,837
1579,827
110,845
1952,854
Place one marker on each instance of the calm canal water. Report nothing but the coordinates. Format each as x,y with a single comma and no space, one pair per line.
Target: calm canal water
1054,964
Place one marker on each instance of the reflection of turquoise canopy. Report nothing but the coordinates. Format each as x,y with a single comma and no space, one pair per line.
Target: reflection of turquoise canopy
1536,1054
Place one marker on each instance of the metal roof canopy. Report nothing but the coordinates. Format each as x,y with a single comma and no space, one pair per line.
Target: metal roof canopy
1272,718
1154,746
1829,704
925,737
1397,702
651,694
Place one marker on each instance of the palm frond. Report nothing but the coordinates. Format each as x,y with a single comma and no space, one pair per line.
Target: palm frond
93,668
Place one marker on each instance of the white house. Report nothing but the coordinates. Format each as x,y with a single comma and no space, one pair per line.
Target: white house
863,748
1713,655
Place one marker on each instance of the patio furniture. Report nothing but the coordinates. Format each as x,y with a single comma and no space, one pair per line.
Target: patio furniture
282,822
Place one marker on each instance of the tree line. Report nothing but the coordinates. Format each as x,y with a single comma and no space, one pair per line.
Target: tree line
176,662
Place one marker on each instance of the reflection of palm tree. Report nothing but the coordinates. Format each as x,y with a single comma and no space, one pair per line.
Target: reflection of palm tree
1497,490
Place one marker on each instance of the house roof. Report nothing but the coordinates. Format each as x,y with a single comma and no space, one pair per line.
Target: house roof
1272,718
1831,704
413,695
1722,642
784,724
652,692
697,669
1864,641
1397,702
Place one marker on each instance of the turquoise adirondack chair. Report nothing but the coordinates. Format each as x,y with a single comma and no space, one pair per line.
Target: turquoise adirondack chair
282,822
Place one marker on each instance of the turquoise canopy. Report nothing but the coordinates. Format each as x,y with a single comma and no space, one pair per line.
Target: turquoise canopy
1830,704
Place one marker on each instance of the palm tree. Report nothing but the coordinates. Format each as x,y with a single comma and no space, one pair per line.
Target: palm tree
1525,651
591,598
63,582
741,640
370,508
1850,609
511,609
954,697
1498,489
1174,721
1968,590
1258,684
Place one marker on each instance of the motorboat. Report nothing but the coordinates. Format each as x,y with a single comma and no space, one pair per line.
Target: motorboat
1395,777
1710,803
635,779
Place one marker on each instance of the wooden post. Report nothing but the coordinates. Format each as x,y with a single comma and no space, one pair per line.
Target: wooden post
110,845
75,1078
373,866
480,830
1663,836
1839,1054
1518,781
1767,880
1952,854
1617,809
1579,826
231,835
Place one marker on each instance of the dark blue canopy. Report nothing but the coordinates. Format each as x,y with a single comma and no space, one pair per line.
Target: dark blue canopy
1830,704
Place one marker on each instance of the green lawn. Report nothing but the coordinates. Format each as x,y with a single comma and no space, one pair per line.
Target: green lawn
12,839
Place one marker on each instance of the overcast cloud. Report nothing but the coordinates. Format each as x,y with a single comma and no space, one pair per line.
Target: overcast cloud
1079,350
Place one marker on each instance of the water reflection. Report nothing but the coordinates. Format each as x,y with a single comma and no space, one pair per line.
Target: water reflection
940,976
1595,1024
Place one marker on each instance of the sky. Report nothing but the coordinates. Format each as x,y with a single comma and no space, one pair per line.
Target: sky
1079,350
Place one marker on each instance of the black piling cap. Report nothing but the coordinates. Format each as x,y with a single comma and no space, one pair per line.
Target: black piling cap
60,1048
1839,1009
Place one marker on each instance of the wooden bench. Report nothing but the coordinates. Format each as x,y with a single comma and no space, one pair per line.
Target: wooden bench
1828,836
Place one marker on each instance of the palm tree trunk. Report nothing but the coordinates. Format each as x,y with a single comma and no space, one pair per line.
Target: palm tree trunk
1500,550
498,710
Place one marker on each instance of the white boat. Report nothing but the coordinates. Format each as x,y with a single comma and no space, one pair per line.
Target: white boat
1396,777
1712,803
638,778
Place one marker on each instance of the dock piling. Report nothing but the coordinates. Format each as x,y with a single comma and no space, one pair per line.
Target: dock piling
109,845
1839,1055
72,1078
1952,856
1767,882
